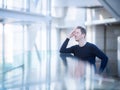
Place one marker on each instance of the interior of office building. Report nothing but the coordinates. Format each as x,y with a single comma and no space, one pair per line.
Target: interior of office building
32,32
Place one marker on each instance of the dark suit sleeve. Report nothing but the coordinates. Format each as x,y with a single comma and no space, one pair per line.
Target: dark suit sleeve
64,48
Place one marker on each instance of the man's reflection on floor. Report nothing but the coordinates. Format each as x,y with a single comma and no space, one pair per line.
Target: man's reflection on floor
80,74
76,68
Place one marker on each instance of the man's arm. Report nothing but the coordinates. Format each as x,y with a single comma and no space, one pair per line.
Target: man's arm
103,57
103,64
64,48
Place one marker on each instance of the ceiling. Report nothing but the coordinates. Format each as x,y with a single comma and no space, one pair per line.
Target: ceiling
113,6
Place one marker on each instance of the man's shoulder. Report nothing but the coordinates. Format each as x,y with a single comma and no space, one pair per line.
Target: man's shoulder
74,46
91,44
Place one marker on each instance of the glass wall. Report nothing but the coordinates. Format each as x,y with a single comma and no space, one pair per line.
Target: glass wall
1,3
13,43
14,4
32,6
27,49
11,49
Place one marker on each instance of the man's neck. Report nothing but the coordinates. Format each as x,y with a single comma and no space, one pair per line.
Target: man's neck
82,42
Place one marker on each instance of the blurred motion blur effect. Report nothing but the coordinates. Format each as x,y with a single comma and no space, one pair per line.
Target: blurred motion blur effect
32,31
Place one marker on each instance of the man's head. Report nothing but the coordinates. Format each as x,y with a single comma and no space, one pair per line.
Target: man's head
79,33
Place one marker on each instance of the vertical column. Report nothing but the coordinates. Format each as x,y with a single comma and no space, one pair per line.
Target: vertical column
118,55
28,5
3,3
23,53
27,60
48,64
3,57
90,29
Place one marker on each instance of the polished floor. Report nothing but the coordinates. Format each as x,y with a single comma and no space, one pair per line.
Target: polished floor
52,71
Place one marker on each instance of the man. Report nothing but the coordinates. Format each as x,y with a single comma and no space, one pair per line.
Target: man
84,50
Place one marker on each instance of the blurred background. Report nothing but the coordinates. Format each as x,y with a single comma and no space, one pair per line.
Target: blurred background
32,31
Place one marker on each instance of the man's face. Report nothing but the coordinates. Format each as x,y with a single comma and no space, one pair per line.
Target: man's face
78,35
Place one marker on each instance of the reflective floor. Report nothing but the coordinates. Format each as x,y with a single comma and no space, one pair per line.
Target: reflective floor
52,71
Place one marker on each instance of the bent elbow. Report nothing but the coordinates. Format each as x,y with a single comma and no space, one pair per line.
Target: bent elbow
106,59
61,51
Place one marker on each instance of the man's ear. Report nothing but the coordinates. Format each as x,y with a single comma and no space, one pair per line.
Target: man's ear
83,35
